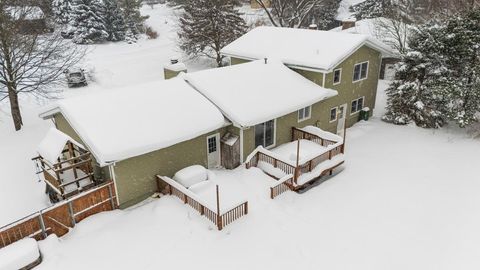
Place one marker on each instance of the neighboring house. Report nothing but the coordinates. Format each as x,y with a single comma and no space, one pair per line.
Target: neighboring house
31,19
255,5
385,30
212,118
349,64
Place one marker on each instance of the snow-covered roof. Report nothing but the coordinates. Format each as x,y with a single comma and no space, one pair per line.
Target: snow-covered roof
52,145
301,48
128,122
25,12
255,92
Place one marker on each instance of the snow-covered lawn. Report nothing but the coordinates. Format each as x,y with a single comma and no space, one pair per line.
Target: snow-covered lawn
407,198
110,65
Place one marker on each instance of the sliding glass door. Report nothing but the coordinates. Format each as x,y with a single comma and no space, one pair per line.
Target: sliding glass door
265,134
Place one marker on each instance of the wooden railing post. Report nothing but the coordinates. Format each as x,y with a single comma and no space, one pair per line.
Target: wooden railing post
71,214
246,207
330,154
42,225
110,193
219,216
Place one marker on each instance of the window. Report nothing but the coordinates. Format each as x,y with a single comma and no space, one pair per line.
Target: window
357,105
304,114
333,114
265,134
337,76
212,144
360,71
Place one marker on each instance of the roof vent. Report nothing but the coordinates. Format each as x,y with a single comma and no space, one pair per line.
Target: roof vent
266,60
174,61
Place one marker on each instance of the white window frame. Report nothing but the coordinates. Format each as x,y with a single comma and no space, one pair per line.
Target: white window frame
336,114
363,105
274,134
366,75
340,77
304,117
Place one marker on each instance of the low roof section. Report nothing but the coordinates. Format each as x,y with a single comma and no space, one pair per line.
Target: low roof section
301,48
258,91
122,123
52,145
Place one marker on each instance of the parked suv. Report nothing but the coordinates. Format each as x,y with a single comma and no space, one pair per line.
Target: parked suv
76,77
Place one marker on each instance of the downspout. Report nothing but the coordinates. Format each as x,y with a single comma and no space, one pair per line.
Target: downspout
324,75
241,145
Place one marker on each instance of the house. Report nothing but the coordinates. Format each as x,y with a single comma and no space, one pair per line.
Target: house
387,31
349,64
211,118
29,19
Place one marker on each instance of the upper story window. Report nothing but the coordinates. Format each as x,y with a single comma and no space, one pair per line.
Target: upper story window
360,71
337,76
357,105
304,113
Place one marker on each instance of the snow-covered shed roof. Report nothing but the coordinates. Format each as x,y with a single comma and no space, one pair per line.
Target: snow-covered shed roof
255,92
132,121
301,48
52,145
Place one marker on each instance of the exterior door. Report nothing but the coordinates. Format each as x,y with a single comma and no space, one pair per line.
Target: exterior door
213,151
342,117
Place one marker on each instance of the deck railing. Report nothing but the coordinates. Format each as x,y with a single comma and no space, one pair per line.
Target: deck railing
219,218
333,148
283,185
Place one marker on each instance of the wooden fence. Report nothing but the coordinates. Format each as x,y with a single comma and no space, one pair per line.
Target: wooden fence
216,217
60,218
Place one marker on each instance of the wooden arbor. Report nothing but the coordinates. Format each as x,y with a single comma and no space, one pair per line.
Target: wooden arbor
66,166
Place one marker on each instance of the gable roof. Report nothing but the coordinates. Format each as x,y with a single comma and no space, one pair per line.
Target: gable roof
301,48
127,122
255,92
52,145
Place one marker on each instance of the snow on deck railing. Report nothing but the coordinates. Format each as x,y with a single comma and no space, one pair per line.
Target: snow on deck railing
220,217
282,185
334,145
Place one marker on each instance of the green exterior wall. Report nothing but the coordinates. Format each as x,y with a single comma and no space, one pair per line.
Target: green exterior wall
320,115
135,177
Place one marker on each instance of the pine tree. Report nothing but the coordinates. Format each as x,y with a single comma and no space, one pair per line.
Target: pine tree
114,21
133,18
416,93
62,10
88,21
206,26
324,15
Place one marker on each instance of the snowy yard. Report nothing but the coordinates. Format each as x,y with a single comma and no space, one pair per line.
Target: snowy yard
407,198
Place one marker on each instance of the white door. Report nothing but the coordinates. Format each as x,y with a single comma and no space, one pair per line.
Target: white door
213,150
342,117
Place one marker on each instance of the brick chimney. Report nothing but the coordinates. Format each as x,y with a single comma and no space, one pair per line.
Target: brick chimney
348,23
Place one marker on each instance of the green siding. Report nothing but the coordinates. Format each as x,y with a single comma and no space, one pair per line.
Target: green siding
320,116
135,176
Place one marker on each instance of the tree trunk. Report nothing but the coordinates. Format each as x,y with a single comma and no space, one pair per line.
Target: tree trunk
15,107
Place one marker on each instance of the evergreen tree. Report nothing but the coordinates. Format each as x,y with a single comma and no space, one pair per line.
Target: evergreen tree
206,26
439,77
114,21
133,18
323,15
373,9
88,21
62,10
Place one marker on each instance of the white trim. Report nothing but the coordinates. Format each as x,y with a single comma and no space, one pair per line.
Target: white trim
340,79
323,78
366,75
241,145
363,104
336,114
111,169
304,118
